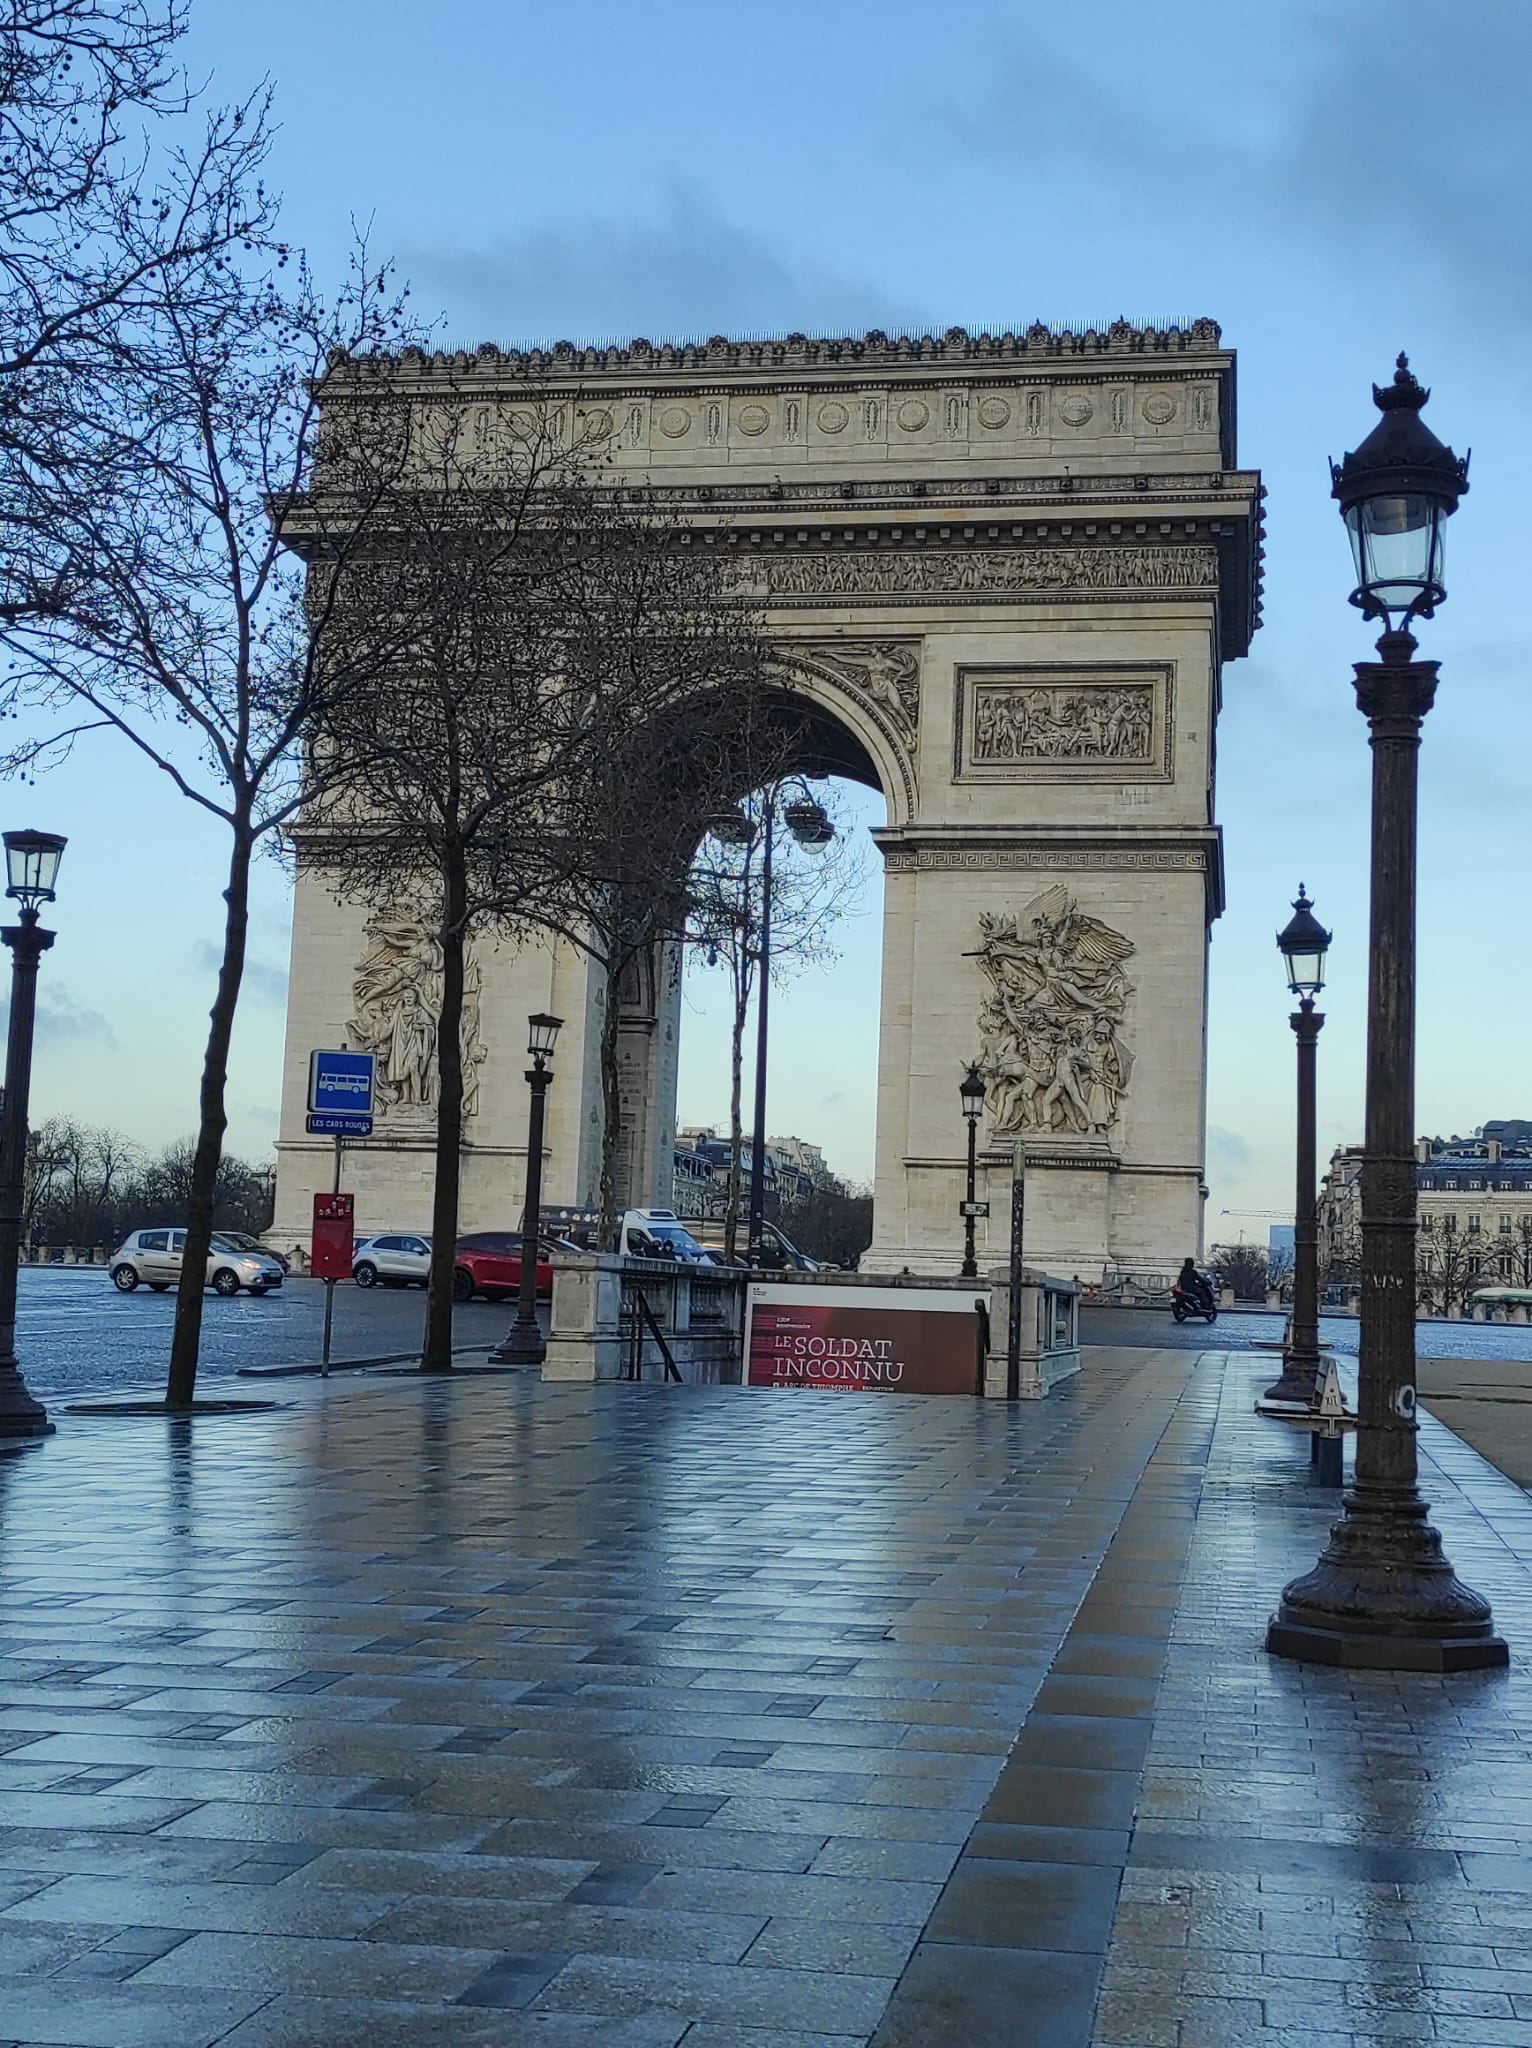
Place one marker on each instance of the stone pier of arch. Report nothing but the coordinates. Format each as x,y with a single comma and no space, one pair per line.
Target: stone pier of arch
1006,572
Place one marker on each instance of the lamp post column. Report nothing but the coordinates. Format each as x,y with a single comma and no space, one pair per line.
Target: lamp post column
523,1343
20,1414
970,1260
762,1001
1299,1381
1383,1594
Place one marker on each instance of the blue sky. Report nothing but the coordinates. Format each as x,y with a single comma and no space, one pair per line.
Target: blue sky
681,168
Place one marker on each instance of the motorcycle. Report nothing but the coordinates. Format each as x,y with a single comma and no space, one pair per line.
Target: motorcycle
1184,1305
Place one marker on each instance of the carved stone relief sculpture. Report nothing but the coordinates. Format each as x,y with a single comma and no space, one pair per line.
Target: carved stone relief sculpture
1053,722
397,993
1051,1026
886,673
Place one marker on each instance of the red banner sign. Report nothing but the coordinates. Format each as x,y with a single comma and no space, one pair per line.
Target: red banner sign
332,1247
863,1339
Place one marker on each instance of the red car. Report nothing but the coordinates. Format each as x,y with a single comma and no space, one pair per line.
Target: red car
489,1263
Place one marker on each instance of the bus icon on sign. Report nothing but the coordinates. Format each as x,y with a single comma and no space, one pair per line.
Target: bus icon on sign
340,1094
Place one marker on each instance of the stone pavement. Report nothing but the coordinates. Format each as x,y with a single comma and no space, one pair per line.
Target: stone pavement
495,1713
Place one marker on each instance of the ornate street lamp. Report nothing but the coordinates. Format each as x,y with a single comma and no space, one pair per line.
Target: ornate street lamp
810,825
1303,943
1383,1595
523,1342
32,865
971,1092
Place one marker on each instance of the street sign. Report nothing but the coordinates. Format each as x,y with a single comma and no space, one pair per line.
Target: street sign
331,1251
340,1083
329,1125
973,1208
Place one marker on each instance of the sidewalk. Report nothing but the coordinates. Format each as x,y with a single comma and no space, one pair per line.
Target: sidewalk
498,1713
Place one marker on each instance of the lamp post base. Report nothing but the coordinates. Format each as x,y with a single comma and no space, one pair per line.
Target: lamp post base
522,1344
1383,1597
1297,1386
20,1415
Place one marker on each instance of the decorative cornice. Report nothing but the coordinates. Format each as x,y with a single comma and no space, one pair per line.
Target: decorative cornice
1040,341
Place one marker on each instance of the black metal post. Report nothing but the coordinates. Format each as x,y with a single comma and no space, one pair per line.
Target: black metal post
523,1343
1383,1595
20,1415
762,1000
1299,1381
970,1260
1017,1272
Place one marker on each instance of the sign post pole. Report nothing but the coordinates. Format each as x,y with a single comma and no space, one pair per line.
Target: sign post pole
332,1251
1013,1320
329,1286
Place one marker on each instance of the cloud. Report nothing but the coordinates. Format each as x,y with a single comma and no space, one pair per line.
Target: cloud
1388,141
63,1021
261,1113
261,982
689,272
1226,1149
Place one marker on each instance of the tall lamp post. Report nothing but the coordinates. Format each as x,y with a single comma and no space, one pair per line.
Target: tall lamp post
1383,1595
810,825
32,865
971,1090
1303,943
523,1343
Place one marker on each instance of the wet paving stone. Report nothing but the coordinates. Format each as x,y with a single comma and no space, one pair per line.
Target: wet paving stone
626,1718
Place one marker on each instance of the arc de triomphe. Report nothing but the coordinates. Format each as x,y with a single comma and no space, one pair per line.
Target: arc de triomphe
1006,571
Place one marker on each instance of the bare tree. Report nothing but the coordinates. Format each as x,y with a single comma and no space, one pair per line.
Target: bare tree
1443,1256
114,195
459,776
701,720
186,627
812,889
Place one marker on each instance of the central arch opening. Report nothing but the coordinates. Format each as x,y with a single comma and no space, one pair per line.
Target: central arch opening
823,1016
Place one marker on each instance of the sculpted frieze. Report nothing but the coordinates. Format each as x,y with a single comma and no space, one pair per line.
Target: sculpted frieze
982,571
1051,1026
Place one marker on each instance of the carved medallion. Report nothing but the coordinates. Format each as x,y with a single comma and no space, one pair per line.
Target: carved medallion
993,412
753,419
675,421
397,993
832,417
913,415
1076,410
1051,1026
597,424
1159,409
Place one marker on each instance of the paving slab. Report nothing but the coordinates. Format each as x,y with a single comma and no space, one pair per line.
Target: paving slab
488,1712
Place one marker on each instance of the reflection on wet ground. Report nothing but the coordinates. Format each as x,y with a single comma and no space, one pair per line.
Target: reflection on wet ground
488,1712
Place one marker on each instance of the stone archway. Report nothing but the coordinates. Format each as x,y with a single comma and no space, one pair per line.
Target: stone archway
1008,571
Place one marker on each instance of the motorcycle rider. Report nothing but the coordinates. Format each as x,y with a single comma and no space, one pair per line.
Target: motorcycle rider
1194,1285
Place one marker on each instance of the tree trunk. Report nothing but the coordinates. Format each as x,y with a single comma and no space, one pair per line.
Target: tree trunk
186,1341
741,980
436,1355
611,1109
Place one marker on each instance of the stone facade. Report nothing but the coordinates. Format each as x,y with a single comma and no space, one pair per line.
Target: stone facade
1005,572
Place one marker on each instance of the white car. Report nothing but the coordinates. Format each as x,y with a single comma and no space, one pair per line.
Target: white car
152,1258
396,1259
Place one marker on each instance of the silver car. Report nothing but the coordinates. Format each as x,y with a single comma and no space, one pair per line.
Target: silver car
399,1258
152,1258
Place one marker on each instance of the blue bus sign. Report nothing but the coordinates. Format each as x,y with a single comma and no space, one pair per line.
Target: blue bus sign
340,1093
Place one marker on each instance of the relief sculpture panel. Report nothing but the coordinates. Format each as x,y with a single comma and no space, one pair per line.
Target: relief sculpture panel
1064,724
1051,1026
397,998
